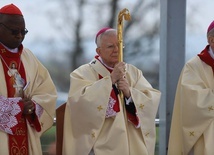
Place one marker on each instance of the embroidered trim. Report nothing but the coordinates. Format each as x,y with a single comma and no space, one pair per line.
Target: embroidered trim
110,111
39,110
9,108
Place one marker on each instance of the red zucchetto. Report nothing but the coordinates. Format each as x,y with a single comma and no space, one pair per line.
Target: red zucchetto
101,31
211,26
10,9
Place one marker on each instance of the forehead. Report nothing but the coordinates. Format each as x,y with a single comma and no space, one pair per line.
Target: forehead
12,19
110,32
109,36
211,32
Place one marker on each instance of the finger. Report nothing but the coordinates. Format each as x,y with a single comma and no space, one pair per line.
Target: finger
31,105
30,111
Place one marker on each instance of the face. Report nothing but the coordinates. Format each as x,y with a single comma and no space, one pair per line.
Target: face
108,49
210,40
12,30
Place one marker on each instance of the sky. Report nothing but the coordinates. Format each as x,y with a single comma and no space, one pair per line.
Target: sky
200,17
36,22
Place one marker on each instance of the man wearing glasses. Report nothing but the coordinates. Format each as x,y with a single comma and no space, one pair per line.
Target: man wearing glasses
27,93
100,122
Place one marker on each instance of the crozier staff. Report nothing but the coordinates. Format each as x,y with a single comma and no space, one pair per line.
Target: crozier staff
95,122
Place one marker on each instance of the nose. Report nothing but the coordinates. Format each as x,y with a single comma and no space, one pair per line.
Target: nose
116,47
19,35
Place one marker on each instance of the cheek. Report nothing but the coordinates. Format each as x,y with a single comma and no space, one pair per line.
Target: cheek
212,46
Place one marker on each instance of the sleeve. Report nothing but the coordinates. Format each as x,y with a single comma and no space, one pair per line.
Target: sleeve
33,119
131,112
41,90
195,96
10,113
146,100
83,92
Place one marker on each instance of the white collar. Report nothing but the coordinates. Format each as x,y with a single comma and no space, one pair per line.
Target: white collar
15,50
101,60
211,52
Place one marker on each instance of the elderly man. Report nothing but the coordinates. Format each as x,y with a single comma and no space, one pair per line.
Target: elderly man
99,121
192,128
27,93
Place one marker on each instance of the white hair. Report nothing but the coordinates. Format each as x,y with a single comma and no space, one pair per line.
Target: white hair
107,32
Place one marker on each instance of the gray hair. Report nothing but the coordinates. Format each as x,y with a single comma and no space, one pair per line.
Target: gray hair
107,32
210,33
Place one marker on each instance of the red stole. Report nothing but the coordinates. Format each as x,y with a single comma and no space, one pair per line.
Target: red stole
18,142
205,57
116,107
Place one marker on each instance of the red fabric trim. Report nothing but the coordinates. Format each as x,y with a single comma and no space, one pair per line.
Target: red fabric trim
205,57
34,121
114,96
132,118
113,93
18,142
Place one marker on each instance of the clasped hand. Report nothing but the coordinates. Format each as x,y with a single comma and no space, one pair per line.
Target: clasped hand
118,76
27,102
28,105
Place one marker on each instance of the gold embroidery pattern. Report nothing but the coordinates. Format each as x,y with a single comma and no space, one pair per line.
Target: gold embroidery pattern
3,50
141,106
93,135
100,108
147,134
20,131
192,133
18,150
41,124
210,108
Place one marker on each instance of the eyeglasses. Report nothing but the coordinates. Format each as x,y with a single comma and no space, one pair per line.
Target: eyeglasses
16,32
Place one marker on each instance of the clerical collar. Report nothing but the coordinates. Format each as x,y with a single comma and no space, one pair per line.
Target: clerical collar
104,63
211,52
15,50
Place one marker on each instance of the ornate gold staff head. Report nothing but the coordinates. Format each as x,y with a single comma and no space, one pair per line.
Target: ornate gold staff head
124,13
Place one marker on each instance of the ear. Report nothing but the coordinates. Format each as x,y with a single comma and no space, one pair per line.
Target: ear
98,50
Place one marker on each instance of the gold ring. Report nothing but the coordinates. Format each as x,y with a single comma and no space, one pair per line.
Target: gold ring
29,110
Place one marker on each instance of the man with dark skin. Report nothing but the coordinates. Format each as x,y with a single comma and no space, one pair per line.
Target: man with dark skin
15,24
27,93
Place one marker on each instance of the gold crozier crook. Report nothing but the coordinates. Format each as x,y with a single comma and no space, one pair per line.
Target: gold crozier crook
124,13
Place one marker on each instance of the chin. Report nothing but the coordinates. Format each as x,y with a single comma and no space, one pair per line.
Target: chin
15,45
116,61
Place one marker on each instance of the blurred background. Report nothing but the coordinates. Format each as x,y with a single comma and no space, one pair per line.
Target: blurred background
62,32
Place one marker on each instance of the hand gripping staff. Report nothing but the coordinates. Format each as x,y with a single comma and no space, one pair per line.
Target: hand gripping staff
123,13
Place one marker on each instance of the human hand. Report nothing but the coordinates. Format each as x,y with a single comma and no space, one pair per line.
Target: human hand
118,72
28,106
123,86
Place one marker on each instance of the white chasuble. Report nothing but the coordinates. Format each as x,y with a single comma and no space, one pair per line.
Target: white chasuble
86,126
